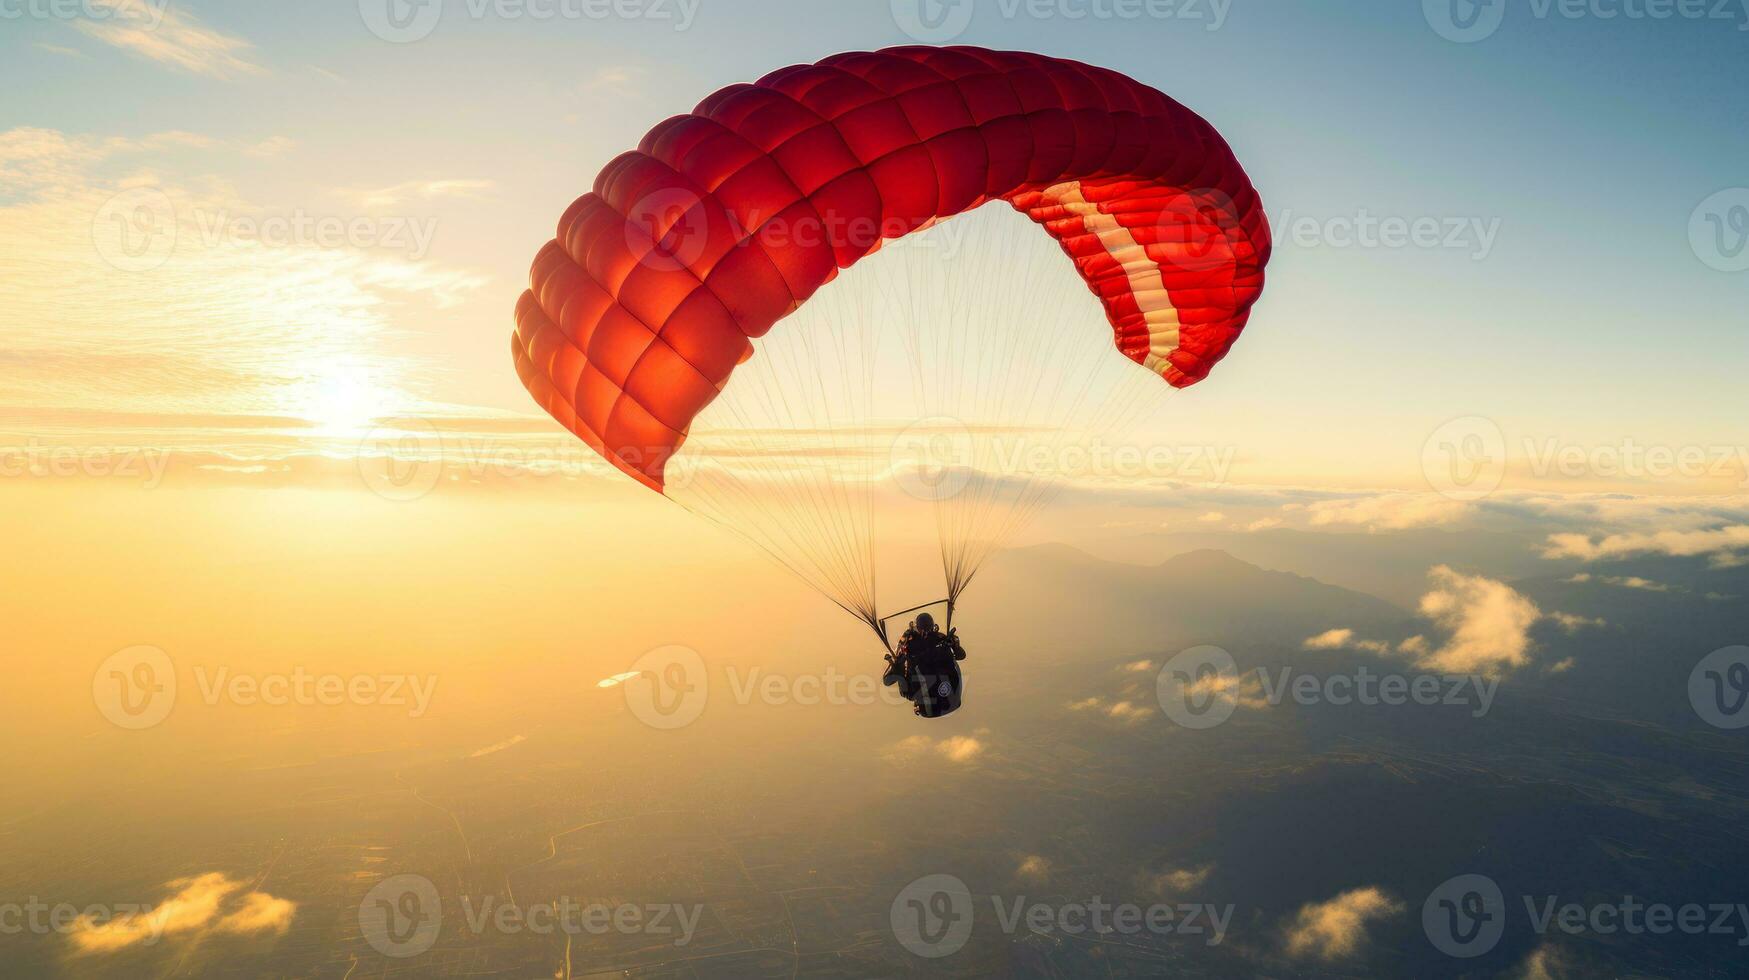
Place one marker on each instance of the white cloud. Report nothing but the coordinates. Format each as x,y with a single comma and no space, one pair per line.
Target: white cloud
1177,881
1488,620
1572,623
1392,511
956,748
615,79
194,908
1343,639
1337,928
58,49
168,35
1723,544
425,190
1487,623
1212,517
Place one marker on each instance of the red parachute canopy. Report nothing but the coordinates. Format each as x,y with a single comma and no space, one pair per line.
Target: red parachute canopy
723,221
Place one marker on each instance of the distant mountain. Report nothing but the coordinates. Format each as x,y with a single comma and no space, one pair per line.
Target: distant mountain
1392,565
1056,597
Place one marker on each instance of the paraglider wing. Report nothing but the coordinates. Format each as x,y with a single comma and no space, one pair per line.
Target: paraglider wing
724,220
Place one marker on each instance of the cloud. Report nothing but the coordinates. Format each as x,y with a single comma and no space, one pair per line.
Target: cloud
1262,524
58,49
301,327
425,190
1395,512
1573,624
1545,963
955,748
169,36
1177,881
615,79
1212,517
1343,639
1488,620
1724,545
261,912
194,908
1125,711
1337,928
1243,690
1487,623
1138,666
1035,867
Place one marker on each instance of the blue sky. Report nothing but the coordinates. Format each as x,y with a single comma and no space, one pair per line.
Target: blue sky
1566,154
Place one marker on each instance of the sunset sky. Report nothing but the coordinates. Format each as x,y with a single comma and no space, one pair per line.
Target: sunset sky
446,161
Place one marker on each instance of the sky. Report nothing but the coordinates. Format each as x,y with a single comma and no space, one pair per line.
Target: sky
1563,303
259,419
